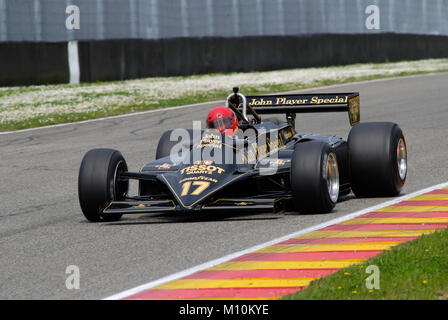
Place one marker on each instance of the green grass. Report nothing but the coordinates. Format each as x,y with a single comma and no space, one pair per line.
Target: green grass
212,95
416,270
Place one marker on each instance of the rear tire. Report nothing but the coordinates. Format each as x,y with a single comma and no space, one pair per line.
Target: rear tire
98,183
165,144
378,159
314,177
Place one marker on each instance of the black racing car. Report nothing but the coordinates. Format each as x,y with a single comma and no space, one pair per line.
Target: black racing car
269,167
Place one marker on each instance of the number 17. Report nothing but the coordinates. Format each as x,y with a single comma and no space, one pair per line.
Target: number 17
202,185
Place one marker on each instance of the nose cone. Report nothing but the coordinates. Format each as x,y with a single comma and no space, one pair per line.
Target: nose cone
192,184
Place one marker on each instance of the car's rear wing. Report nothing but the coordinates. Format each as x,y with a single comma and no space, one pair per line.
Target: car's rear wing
290,104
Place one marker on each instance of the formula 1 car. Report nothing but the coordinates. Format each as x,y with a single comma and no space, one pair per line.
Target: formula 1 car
270,168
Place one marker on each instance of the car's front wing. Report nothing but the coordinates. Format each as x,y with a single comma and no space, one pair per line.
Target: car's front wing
275,205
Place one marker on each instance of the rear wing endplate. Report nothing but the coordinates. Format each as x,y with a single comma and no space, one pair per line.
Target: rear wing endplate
307,103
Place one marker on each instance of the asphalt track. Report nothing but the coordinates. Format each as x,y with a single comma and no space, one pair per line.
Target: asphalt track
42,230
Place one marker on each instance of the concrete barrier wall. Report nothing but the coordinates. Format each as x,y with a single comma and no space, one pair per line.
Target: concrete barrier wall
27,63
128,59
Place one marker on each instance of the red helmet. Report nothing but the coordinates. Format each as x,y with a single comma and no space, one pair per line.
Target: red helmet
223,119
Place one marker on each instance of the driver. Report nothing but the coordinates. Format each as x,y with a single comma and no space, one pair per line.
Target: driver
223,119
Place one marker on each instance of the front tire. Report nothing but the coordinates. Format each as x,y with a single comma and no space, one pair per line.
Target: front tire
314,177
378,159
98,183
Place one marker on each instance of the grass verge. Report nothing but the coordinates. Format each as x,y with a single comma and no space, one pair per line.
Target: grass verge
34,106
415,270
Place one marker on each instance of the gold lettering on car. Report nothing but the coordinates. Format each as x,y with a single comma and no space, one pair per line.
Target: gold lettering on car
202,169
201,186
210,140
297,101
199,178
279,162
337,99
290,102
260,102
242,203
164,166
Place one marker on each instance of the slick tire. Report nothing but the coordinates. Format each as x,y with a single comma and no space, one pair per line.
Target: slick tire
314,178
378,159
98,183
166,145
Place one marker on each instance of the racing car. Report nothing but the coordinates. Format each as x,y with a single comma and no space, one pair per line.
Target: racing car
266,167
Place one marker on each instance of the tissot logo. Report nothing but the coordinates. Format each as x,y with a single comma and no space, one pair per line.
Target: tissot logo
202,169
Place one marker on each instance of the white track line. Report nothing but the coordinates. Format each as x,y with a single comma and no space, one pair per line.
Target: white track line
211,102
234,255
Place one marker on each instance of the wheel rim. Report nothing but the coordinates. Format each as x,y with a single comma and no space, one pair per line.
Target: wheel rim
402,164
119,188
332,177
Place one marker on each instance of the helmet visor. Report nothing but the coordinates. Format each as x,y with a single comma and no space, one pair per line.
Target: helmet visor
220,124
